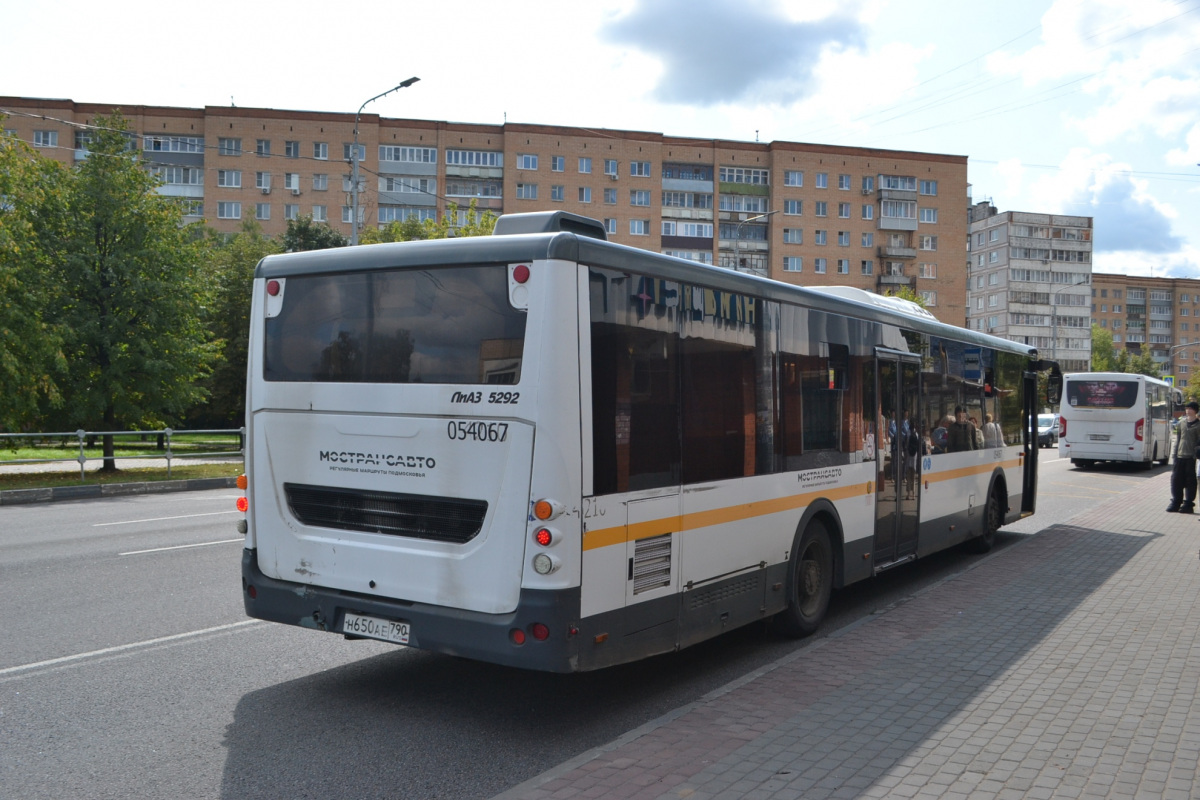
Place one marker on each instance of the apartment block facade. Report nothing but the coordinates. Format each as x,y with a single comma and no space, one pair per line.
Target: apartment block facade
1156,315
795,212
1029,279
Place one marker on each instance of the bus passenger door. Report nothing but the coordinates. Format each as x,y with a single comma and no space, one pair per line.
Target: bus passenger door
898,476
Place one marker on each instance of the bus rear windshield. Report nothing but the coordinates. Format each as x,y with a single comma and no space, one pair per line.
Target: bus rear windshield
1102,394
448,325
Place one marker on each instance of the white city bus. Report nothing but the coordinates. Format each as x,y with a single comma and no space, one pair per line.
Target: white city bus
547,450
1115,416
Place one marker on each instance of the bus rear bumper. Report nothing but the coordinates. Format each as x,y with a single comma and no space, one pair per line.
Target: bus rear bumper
469,634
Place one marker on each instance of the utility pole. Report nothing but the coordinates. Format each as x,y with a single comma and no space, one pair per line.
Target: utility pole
354,156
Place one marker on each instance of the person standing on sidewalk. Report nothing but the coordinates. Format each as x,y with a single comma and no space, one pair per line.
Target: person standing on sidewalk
1183,476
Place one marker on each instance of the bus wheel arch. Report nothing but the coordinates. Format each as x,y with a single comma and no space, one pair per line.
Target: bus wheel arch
813,565
994,510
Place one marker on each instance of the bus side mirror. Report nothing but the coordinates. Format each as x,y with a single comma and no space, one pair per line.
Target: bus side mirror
1054,387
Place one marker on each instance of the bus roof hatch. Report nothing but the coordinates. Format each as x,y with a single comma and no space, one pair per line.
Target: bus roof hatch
550,222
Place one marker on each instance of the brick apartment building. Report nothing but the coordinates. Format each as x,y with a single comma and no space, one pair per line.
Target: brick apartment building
802,213
1156,315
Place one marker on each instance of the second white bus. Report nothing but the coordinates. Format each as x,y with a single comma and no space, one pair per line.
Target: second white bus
1115,416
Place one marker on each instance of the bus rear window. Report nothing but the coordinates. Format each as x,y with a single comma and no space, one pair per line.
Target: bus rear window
449,325
1102,394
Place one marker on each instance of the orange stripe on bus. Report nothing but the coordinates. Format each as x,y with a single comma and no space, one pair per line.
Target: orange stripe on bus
604,537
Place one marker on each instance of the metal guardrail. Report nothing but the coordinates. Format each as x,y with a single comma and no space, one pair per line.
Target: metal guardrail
82,437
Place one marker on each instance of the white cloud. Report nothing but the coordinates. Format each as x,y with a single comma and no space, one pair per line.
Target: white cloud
1189,155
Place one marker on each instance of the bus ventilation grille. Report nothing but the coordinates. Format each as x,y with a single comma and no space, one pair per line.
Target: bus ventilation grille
441,519
651,563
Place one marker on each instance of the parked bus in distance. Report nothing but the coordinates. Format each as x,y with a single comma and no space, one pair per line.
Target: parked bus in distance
546,450
1115,416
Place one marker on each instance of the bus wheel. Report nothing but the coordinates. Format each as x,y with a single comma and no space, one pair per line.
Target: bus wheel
809,583
992,520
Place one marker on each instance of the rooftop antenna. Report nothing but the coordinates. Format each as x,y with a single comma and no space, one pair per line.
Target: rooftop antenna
756,134
231,103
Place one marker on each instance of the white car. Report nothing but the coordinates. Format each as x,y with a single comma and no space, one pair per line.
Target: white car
1047,430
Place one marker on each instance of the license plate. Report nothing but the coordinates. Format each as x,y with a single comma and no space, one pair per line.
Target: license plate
375,628
1099,437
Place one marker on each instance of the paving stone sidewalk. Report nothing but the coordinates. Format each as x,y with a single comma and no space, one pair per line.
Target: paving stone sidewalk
1064,666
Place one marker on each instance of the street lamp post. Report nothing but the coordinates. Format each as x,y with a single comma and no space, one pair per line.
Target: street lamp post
354,155
737,241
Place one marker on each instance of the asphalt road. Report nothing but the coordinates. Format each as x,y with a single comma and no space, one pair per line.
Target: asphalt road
128,670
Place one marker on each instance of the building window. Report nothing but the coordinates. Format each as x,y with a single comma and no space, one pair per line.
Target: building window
585,194
898,209
793,264
45,138
527,161
229,147
843,181
610,197
868,211
993,257
928,215
703,230
639,169
793,177
639,227
585,166
320,182
291,180
868,184
793,208
291,211
993,279
930,297
348,152
610,225
868,240
821,237
262,211
993,235
993,300
822,180
291,149
320,214
822,208
262,180
929,187
754,177
408,155
321,151
868,267
610,166
900,182
927,242
262,147
927,270
229,178
843,238
557,193
668,227
170,144
558,163
639,197
229,210
843,265
793,236
819,266
474,158
844,210
527,191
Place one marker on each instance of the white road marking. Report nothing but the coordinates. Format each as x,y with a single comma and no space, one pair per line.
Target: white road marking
121,648
181,547
162,519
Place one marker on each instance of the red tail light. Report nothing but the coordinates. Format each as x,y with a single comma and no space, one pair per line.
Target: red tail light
1062,428
1139,428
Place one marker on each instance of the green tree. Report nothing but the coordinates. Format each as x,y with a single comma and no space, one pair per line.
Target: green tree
133,295
1104,356
231,262
412,229
304,234
32,210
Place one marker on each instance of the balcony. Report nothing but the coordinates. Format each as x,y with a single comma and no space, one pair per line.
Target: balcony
887,282
897,252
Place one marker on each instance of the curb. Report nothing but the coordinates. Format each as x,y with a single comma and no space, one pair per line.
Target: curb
12,497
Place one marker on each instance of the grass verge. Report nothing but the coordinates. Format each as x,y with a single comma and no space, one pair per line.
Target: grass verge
47,480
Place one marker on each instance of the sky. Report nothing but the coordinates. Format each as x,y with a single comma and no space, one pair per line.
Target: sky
1084,107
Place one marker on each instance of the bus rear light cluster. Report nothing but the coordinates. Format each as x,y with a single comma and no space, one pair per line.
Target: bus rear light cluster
544,536
537,630
544,564
546,509
1139,429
